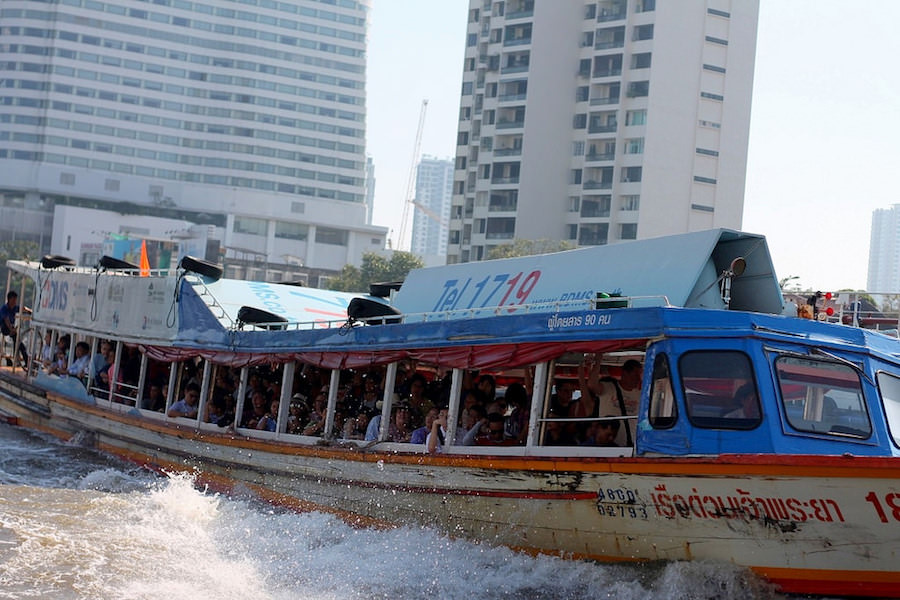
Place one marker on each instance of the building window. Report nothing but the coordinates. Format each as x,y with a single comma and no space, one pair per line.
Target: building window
631,174
580,121
710,96
298,207
706,152
575,177
641,60
715,40
636,117
593,234
718,13
634,146
578,149
335,237
702,208
628,231
714,68
582,93
630,202
700,179
250,225
291,231
643,32
638,89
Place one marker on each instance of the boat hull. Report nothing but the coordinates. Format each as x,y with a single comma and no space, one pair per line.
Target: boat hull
824,525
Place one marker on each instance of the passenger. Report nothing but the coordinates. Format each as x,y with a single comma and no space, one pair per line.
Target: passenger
434,443
99,363
562,402
215,410
8,324
298,415
81,364
47,350
487,385
490,432
154,400
630,382
555,433
602,433
470,417
421,434
256,410
187,406
517,413
269,421
747,403
355,427
419,404
400,429
316,424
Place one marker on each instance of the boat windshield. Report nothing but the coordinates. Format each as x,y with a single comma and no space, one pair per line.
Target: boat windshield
889,386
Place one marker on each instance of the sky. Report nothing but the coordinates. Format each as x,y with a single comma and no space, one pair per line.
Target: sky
824,131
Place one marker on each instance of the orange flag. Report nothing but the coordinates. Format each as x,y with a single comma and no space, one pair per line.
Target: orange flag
145,262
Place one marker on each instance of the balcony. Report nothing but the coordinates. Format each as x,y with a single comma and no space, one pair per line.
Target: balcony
522,41
608,44
511,97
606,16
503,207
503,124
505,180
604,101
520,14
597,185
595,157
500,235
508,152
609,128
607,73
514,69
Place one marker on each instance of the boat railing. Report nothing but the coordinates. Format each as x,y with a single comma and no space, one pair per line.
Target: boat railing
209,299
597,303
869,310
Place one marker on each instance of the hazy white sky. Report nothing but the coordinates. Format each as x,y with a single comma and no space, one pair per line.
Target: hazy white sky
824,133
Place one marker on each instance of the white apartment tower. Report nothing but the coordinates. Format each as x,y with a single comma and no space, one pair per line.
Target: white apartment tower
247,115
596,122
434,190
884,250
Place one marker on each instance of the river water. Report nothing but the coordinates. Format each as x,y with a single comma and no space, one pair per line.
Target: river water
78,524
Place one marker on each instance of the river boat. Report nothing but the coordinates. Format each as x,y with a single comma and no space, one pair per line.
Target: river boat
799,481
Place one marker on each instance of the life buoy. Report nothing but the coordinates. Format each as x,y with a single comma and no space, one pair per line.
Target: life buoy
383,289
52,261
111,262
368,310
201,267
261,318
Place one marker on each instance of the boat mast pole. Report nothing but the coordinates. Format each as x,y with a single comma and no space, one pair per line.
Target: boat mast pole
204,391
453,408
241,396
390,375
332,403
284,403
541,371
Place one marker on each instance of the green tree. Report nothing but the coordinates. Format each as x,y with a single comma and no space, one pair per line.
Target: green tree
521,247
16,250
374,269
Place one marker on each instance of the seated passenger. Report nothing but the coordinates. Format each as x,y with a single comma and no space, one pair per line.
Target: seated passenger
269,421
81,364
556,433
419,435
187,406
602,433
747,403
434,443
489,432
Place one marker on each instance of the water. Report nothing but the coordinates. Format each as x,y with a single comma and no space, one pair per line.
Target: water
77,524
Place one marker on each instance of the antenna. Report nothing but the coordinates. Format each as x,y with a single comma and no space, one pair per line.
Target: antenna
411,182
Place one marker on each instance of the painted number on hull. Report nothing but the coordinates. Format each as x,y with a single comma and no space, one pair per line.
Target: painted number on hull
620,502
892,501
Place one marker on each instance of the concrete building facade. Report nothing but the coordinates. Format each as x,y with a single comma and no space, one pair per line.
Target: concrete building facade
434,191
597,122
247,116
884,250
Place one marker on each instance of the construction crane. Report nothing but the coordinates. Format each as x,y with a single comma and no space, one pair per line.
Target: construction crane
411,182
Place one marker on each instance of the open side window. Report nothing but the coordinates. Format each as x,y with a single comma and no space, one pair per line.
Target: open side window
822,396
663,410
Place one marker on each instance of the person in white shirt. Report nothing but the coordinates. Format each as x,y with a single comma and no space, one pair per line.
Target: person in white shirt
434,443
79,366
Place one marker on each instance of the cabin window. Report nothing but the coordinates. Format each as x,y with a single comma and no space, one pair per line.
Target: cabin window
889,386
663,410
719,389
822,397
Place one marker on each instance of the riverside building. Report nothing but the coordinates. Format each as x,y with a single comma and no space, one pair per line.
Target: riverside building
247,117
598,122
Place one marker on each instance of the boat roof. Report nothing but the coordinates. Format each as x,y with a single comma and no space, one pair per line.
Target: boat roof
679,270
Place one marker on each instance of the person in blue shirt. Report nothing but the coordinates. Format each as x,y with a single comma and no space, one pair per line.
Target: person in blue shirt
8,323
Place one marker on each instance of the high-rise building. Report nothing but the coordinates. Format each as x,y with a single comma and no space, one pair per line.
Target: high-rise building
434,190
884,250
596,122
247,115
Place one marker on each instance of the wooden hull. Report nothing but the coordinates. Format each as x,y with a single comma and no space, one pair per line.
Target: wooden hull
823,525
